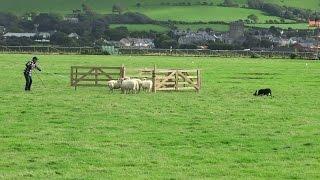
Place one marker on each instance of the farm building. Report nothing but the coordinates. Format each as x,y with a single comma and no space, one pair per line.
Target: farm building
197,38
137,43
19,35
73,35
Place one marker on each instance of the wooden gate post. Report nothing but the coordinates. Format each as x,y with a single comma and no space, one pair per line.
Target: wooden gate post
154,79
122,71
176,77
198,80
71,76
76,79
96,76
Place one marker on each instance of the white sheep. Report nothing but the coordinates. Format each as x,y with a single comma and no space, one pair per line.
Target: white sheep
146,85
129,85
139,81
114,84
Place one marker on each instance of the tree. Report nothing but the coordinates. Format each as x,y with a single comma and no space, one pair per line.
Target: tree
253,17
87,9
59,38
117,8
46,21
9,21
118,33
255,4
229,3
165,41
98,27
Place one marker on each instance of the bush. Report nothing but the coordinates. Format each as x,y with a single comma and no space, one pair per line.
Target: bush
293,56
254,55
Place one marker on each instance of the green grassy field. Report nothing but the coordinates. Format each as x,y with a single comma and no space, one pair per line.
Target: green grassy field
222,132
202,13
20,6
177,13
142,27
283,26
306,4
195,27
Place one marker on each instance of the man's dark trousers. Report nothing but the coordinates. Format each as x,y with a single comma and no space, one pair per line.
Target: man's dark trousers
28,81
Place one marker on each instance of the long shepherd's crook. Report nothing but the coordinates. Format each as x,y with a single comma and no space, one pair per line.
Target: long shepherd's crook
40,79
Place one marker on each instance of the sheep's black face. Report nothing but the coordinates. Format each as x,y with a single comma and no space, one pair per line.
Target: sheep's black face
256,93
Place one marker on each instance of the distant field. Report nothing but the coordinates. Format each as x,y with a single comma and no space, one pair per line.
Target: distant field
104,6
179,13
223,132
203,13
142,27
283,26
194,27
307,4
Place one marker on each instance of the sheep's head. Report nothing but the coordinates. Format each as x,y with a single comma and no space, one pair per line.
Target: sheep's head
256,93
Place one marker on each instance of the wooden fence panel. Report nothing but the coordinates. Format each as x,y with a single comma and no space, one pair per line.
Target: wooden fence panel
173,79
94,76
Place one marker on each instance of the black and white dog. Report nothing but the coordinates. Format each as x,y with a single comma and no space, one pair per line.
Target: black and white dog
263,92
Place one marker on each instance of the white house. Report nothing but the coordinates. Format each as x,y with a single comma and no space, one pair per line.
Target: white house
137,43
19,35
2,30
73,35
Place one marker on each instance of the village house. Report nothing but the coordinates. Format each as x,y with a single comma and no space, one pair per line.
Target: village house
2,30
137,43
38,37
197,38
304,47
74,20
19,35
73,35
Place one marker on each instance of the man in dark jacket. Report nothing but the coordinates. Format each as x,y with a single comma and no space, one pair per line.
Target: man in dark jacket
30,65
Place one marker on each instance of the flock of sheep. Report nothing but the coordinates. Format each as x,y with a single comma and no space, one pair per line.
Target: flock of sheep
128,85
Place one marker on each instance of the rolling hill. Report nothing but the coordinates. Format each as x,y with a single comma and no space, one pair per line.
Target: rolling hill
161,10
104,6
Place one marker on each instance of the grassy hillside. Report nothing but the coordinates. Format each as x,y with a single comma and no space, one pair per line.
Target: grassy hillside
283,26
307,4
203,13
141,27
224,132
154,9
194,27
64,6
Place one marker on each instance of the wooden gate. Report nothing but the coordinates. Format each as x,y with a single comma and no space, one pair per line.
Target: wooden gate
173,79
94,76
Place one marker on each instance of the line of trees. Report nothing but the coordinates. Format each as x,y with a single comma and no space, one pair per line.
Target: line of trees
293,13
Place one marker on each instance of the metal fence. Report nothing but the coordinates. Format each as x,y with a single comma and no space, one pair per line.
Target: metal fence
158,52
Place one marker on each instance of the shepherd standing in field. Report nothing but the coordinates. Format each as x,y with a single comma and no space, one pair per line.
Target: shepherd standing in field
30,65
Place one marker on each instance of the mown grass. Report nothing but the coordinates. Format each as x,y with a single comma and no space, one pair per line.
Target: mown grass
222,132
142,27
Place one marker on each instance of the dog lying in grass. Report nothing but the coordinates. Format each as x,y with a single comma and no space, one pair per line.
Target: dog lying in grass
263,92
